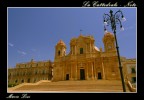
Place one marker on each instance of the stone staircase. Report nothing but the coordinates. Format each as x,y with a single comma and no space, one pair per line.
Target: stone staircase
70,86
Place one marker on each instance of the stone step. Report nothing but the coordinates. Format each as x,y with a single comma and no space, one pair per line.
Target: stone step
74,86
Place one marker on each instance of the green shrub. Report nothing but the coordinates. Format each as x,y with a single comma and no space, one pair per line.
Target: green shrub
12,85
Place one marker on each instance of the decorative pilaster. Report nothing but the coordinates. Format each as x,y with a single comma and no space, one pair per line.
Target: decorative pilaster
76,73
95,71
103,71
90,47
63,73
87,71
72,49
86,48
75,50
92,72
71,72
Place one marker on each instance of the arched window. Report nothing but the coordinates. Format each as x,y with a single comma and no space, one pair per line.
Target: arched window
81,50
28,80
59,53
35,72
17,73
133,70
133,79
9,74
23,73
34,80
16,81
43,72
22,81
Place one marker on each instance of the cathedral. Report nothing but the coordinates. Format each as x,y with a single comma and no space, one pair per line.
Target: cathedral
85,61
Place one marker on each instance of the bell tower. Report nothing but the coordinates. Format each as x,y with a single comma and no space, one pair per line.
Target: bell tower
60,49
109,42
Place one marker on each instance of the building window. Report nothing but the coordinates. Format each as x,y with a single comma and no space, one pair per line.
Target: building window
133,79
29,73
43,72
36,72
28,80
22,81
59,53
81,50
34,80
16,81
133,70
18,74
10,75
23,73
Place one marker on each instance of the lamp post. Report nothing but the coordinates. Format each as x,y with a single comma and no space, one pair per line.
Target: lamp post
113,20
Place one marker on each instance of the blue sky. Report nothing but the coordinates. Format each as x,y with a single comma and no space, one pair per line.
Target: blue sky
34,32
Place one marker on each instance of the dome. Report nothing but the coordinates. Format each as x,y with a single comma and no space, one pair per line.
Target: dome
60,43
108,34
96,48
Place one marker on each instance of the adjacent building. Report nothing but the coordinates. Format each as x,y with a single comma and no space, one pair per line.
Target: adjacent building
30,72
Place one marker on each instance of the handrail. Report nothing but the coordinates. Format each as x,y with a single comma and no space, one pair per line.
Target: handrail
131,88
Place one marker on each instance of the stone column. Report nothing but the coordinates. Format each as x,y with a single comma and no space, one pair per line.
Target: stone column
72,49
103,71
86,48
90,47
95,70
71,72
76,72
75,49
87,71
63,72
92,71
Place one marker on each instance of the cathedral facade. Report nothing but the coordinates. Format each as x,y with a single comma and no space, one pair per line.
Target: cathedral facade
86,61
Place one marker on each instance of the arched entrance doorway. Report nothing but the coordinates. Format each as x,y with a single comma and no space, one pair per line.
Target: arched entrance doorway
82,74
22,81
28,80
67,76
99,75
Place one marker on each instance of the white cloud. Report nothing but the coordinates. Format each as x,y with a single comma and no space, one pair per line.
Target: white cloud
10,44
22,52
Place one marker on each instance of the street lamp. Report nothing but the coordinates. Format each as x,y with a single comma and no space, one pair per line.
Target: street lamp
113,20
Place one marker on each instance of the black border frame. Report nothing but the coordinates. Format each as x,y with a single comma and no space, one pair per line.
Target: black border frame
67,3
